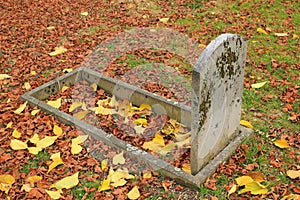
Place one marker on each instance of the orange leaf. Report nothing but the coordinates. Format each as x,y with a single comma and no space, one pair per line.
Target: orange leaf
281,143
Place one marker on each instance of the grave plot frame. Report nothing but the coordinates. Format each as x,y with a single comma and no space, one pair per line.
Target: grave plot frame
222,60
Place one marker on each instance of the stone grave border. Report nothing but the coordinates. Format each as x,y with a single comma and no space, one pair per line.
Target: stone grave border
174,109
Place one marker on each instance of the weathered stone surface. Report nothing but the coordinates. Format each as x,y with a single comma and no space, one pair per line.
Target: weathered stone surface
217,97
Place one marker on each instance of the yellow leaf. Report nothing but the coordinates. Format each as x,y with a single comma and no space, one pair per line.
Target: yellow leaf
158,139
46,142
182,137
104,164
260,30
144,106
281,34
26,86
26,187
202,45
34,150
113,102
50,27
67,182
258,85
291,197
232,189
246,124
16,133
119,159
80,139
139,129
295,36
55,104
255,188
103,111
56,161
256,176
17,144
134,193
67,70
32,73
6,182
81,114
293,173
105,185
4,76
64,88
58,50
281,143
187,168
35,138
75,105
9,125
119,183
243,180
147,175
57,130
102,102
75,148
8,100
7,179
54,194
33,179
34,112
94,86
164,151
119,174
164,20
140,121
84,13
152,146
21,108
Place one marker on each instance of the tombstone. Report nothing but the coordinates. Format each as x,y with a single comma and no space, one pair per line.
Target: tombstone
217,84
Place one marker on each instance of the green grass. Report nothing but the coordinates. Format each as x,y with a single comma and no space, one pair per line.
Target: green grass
34,163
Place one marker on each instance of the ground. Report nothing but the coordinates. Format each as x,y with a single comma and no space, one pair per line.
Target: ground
30,30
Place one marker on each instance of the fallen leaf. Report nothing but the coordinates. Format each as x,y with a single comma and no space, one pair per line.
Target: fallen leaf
119,159
80,139
187,168
6,182
57,130
33,179
4,76
17,144
105,185
46,142
152,146
104,164
67,70
295,36
34,139
255,188
34,150
84,13
293,174
139,129
140,121
164,151
258,85
94,86
21,108
81,114
26,86
32,73
103,111
246,124
144,106
34,112
56,161
256,176
67,182
159,139
260,30
50,27
54,194
56,104
16,133
147,175
120,182
184,142
75,105
134,193
291,197
64,88
58,50
26,187
232,189
281,34
164,20
281,143
9,125
243,180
